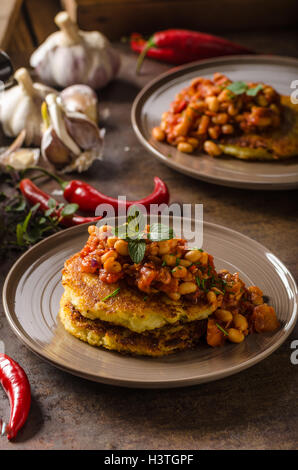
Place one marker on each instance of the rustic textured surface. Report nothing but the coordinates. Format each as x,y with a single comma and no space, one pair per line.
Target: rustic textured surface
254,409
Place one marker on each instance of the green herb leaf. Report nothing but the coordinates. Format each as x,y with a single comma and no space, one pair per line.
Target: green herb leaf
19,233
198,282
69,209
112,294
136,249
221,329
52,203
254,91
159,232
237,87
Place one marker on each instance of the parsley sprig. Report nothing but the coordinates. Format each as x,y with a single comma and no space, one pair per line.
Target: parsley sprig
240,88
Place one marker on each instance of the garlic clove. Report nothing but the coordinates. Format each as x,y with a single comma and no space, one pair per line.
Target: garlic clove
83,131
17,157
82,99
54,150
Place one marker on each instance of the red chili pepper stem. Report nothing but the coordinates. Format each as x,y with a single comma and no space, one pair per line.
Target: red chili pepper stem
60,181
150,43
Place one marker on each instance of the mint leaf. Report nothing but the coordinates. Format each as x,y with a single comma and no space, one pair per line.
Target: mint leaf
136,250
254,91
52,203
69,210
159,232
237,87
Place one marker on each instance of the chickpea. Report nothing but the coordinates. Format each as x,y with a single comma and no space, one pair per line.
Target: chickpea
224,315
204,258
240,322
187,288
164,247
212,103
108,254
221,118
112,266
193,256
211,148
227,129
174,295
185,147
179,272
158,134
121,246
111,241
235,336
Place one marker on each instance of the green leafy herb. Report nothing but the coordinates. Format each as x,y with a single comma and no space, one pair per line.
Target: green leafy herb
136,250
145,298
69,209
164,264
239,88
254,91
112,294
221,329
198,282
159,232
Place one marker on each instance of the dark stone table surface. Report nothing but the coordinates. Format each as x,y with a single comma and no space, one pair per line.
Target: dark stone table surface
256,409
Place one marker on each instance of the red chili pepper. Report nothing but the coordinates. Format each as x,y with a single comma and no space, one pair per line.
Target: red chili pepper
35,195
88,198
179,46
16,385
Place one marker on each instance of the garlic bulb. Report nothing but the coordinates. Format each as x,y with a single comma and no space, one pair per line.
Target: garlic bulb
81,99
72,56
20,108
17,157
71,141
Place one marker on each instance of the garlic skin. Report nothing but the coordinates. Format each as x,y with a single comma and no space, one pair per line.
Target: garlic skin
82,99
71,141
17,157
20,108
71,56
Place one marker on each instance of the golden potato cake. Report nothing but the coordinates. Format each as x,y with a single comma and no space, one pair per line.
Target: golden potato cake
130,307
157,342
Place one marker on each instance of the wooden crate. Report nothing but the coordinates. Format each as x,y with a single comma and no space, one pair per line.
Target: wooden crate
117,18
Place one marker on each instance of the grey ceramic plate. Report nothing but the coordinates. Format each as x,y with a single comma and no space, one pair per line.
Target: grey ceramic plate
156,97
32,292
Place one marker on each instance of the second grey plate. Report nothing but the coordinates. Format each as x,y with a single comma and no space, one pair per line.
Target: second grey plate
157,96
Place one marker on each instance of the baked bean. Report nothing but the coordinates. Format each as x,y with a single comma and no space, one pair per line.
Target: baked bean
109,254
204,258
121,246
227,129
164,247
174,295
223,315
179,272
240,322
192,141
112,266
185,147
221,118
193,256
111,241
158,134
204,123
211,148
212,103
184,262
170,260
214,132
187,288
235,336
232,110
211,297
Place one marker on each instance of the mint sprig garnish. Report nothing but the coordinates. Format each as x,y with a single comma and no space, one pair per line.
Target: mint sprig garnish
239,88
